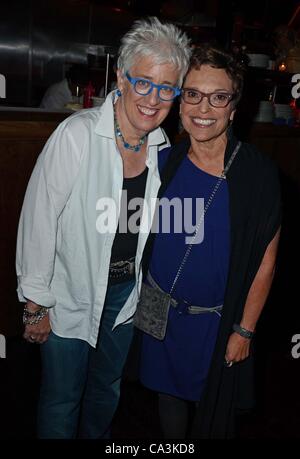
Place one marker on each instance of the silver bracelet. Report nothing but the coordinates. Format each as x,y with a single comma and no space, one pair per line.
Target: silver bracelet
33,318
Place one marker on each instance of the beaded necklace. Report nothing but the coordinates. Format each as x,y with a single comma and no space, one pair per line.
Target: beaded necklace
136,148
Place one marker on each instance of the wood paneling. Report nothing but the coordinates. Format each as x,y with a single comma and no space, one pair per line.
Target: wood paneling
21,142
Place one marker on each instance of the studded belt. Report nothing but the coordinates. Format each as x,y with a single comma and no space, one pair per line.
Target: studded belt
122,268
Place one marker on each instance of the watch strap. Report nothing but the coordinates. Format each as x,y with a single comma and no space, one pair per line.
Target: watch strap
243,331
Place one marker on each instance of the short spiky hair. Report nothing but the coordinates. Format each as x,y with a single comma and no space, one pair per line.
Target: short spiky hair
217,57
165,42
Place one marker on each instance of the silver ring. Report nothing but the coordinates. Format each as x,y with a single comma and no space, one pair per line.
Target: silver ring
32,338
228,364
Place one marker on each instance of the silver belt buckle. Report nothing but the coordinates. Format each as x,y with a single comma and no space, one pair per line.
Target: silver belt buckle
131,266
128,267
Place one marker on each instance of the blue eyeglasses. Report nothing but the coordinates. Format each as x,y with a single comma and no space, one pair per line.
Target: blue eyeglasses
144,87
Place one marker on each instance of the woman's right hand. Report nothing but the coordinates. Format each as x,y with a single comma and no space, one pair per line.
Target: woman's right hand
37,333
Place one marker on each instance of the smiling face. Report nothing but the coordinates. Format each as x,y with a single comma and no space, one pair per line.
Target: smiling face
203,122
138,115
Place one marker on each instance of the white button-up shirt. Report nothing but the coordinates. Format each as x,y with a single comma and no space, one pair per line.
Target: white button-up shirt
62,259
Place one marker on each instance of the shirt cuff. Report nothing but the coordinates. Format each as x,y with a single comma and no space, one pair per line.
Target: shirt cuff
33,289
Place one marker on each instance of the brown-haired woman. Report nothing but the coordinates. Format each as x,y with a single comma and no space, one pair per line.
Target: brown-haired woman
219,267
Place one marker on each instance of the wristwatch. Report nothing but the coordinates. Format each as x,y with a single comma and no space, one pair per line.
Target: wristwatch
243,331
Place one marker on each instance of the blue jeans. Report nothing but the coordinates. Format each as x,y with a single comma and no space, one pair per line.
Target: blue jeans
80,384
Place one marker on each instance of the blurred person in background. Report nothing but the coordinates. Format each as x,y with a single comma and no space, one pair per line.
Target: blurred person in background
67,90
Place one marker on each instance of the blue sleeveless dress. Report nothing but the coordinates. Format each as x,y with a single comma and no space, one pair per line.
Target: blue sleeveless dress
179,364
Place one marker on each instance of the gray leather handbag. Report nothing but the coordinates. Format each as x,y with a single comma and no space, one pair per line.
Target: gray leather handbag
152,311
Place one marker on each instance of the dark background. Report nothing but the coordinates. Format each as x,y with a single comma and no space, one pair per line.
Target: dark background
38,40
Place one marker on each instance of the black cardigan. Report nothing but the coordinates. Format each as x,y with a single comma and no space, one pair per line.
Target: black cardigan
255,215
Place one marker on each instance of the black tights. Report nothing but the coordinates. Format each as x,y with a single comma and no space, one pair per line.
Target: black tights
175,416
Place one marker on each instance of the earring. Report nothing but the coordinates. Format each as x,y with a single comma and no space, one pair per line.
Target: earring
119,92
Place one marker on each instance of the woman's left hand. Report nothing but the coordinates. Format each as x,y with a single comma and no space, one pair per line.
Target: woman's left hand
238,349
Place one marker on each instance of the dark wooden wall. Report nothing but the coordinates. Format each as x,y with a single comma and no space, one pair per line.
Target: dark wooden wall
20,144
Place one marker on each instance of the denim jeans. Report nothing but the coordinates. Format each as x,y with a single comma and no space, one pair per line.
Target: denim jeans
80,384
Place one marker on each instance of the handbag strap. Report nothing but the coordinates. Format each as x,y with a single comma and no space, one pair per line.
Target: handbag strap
213,193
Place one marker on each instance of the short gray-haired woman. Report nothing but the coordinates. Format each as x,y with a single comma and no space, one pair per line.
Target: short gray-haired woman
78,275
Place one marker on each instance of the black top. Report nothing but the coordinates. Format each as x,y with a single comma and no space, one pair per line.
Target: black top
126,239
255,216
